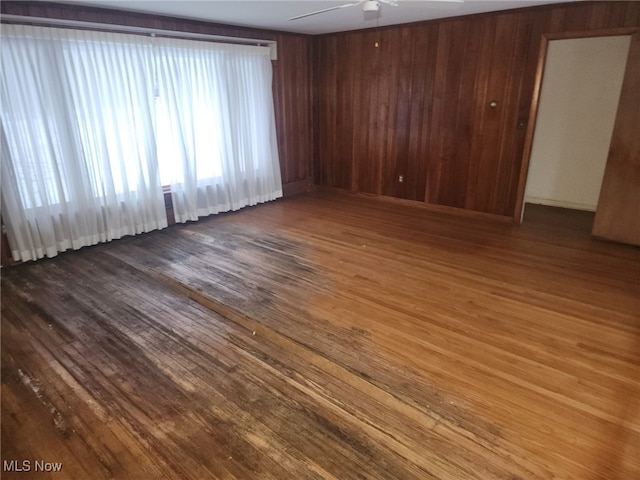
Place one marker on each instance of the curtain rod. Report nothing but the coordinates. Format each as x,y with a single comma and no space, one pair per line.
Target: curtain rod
272,44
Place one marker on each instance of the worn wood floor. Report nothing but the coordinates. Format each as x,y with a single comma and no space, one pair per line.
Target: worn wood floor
327,336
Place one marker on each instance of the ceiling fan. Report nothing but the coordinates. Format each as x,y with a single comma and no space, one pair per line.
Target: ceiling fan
367,6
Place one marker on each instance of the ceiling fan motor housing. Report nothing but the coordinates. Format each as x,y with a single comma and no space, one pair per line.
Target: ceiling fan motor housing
370,6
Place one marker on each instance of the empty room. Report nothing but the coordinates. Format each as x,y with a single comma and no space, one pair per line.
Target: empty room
320,240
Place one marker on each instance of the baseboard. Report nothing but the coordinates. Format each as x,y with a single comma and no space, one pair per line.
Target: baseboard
443,209
560,203
296,188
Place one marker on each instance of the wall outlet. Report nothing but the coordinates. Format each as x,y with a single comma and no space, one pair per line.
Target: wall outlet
401,178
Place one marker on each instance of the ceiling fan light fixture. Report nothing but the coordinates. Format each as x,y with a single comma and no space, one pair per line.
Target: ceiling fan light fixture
370,6
367,6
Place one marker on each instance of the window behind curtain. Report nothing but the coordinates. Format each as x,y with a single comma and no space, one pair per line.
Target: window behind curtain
93,124
217,103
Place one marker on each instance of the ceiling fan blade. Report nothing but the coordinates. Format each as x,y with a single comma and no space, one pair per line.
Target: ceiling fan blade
327,10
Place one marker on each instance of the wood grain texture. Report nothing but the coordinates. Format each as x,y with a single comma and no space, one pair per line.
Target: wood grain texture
418,106
353,116
618,212
292,82
331,336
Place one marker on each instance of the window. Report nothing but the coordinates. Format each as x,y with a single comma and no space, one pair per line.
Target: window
94,123
207,153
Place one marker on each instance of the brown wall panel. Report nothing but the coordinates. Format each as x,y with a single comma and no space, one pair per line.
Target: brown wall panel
292,78
417,137
356,116
618,213
420,106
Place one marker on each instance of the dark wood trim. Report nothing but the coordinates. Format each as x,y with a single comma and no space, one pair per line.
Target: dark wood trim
535,100
443,209
6,259
609,32
427,207
533,118
296,188
168,206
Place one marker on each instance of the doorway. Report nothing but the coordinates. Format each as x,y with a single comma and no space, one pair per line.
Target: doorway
576,113
630,32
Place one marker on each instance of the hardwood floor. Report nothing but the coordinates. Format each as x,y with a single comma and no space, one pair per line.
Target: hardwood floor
327,336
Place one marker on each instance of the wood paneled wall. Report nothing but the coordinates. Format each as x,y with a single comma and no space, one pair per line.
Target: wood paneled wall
292,86
618,213
356,116
418,105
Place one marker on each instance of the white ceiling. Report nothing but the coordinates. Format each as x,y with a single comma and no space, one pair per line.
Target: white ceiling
274,15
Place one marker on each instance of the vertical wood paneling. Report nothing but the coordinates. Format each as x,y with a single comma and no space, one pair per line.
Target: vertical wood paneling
421,108
618,213
492,166
394,108
380,109
423,129
395,158
335,171
514,133
453,102
292,81
415,106
293,97
369,172
359,134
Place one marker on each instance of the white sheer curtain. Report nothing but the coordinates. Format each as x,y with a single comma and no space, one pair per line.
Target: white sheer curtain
79,159
216,126
94,123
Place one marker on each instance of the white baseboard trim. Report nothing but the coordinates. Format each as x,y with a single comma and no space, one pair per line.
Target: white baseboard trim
560,203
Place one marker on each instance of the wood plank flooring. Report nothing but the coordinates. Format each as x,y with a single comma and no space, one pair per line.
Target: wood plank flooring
327,336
